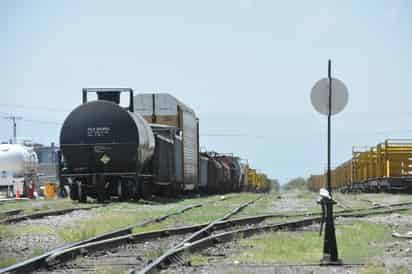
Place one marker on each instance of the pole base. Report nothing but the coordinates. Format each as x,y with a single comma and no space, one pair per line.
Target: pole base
327,261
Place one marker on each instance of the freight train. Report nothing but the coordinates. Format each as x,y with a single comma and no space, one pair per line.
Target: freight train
149,147
384,167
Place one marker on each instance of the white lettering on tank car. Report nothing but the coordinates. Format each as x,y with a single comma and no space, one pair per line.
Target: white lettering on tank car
100,149
98,131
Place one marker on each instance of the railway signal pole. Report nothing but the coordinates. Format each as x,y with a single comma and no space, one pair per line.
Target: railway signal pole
14,118
329,96
330,247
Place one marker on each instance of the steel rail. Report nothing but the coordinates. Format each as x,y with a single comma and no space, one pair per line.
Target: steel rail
171,255
40,261
63,255
41,214
123,236
70,253
10,212
210,226
201,233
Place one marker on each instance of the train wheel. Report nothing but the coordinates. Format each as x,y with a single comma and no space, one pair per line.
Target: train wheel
172,190
102,196
146,190
135,191
74,192
82,192
120,190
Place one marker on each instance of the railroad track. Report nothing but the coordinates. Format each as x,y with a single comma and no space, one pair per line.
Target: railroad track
195,243
9,213
42,214
40,261
340,201
129,250
130,246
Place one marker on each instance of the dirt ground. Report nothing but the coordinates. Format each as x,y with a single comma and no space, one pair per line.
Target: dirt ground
295,200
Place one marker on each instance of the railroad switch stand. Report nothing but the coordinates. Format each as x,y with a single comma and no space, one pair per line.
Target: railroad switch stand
330,249
329,103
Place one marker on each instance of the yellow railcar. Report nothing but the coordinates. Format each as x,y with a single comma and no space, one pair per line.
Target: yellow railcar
395,158
252,179
259,182
390,159
256,182
263,183
316,182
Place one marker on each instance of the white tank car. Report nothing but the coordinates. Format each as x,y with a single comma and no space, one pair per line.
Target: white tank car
18,168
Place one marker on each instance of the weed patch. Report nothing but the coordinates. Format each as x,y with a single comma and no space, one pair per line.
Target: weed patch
33,229
356,242
5,232
7,261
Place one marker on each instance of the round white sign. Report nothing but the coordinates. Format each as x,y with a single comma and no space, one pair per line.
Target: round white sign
320,96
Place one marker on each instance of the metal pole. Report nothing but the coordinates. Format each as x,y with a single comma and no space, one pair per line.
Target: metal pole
330,248
14,118
14,130
329,126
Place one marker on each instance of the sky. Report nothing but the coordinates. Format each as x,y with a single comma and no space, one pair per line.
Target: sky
246,67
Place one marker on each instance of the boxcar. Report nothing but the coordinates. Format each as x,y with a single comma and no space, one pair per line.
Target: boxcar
165,109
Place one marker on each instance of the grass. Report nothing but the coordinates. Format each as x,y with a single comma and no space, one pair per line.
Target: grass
31,206
119,215
95,225
154,253
33,229
260,207
199,259
37,252
406,212
356,242
376,268
6,261
213,210
109,270
307,195
5,232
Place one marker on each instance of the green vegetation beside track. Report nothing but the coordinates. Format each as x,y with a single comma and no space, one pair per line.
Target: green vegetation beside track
282,247
119,215
357,242
216,207
32,206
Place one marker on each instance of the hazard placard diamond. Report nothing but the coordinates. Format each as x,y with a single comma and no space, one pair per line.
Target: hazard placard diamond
105,159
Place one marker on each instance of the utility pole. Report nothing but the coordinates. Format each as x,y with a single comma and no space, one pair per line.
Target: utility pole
14,119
